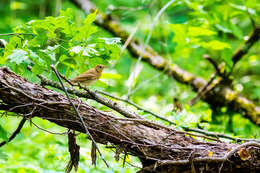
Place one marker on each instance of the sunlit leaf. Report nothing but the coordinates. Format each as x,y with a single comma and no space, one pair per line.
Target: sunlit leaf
3,134
215,45
18,56
199,31
111,76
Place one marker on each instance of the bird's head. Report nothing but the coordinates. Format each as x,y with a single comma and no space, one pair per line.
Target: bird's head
99,68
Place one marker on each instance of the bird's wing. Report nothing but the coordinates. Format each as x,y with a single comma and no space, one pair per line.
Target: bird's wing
83,77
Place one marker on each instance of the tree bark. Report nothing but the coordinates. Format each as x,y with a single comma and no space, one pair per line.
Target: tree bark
219,96
160,148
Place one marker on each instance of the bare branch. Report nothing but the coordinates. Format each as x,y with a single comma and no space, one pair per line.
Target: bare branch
244,48
18,129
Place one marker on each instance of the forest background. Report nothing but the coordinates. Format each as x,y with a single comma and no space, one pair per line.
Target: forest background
198,36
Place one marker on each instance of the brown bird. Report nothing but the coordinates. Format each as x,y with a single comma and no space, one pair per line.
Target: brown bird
90,76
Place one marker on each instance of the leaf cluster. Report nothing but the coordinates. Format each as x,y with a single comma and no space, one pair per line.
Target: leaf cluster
59,41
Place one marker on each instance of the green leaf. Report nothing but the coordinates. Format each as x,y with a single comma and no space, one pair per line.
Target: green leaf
90,51
223,28
100,84
180,35
3,134
199,31
113,40
111,76
76,49
3,156
38,69
40,39
215,45
50,52
85,31
90,18
97,60
18,56
14,42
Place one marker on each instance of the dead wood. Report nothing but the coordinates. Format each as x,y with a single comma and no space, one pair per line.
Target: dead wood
159,149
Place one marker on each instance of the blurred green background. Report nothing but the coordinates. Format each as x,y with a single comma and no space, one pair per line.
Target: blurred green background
186,31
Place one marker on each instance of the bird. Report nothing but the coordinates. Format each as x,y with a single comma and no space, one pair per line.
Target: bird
90,76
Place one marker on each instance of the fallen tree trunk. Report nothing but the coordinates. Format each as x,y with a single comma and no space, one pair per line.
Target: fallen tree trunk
160,148
217,97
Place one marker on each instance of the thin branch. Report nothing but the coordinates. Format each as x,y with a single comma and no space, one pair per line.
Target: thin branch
147,41
219,135
135,105
253,37
54,133
20,126
94,96
143,83
79,116
10,34
129,39
202,91
215,65
209,86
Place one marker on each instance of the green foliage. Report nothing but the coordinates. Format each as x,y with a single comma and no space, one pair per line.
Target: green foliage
36,151
3,134
59,41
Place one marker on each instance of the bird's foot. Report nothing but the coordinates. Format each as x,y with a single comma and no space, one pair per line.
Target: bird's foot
83,87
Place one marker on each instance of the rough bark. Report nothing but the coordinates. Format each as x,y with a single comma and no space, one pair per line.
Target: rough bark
160,148
217,97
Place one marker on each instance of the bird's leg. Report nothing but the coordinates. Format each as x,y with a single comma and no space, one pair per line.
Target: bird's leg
82,87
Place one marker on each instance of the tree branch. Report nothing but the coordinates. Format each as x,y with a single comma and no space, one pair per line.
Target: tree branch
253,37
115,106
152,143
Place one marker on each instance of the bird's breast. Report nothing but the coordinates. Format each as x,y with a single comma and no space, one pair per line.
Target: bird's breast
89,82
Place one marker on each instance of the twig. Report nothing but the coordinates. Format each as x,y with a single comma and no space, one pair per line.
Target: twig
143,83
129,39
230,153
79,116
202,91
8,34
94,96
54,133
147,40
215,65
20,126
135,105
254,36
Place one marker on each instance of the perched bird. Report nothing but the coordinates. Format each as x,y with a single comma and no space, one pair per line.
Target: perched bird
90,76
